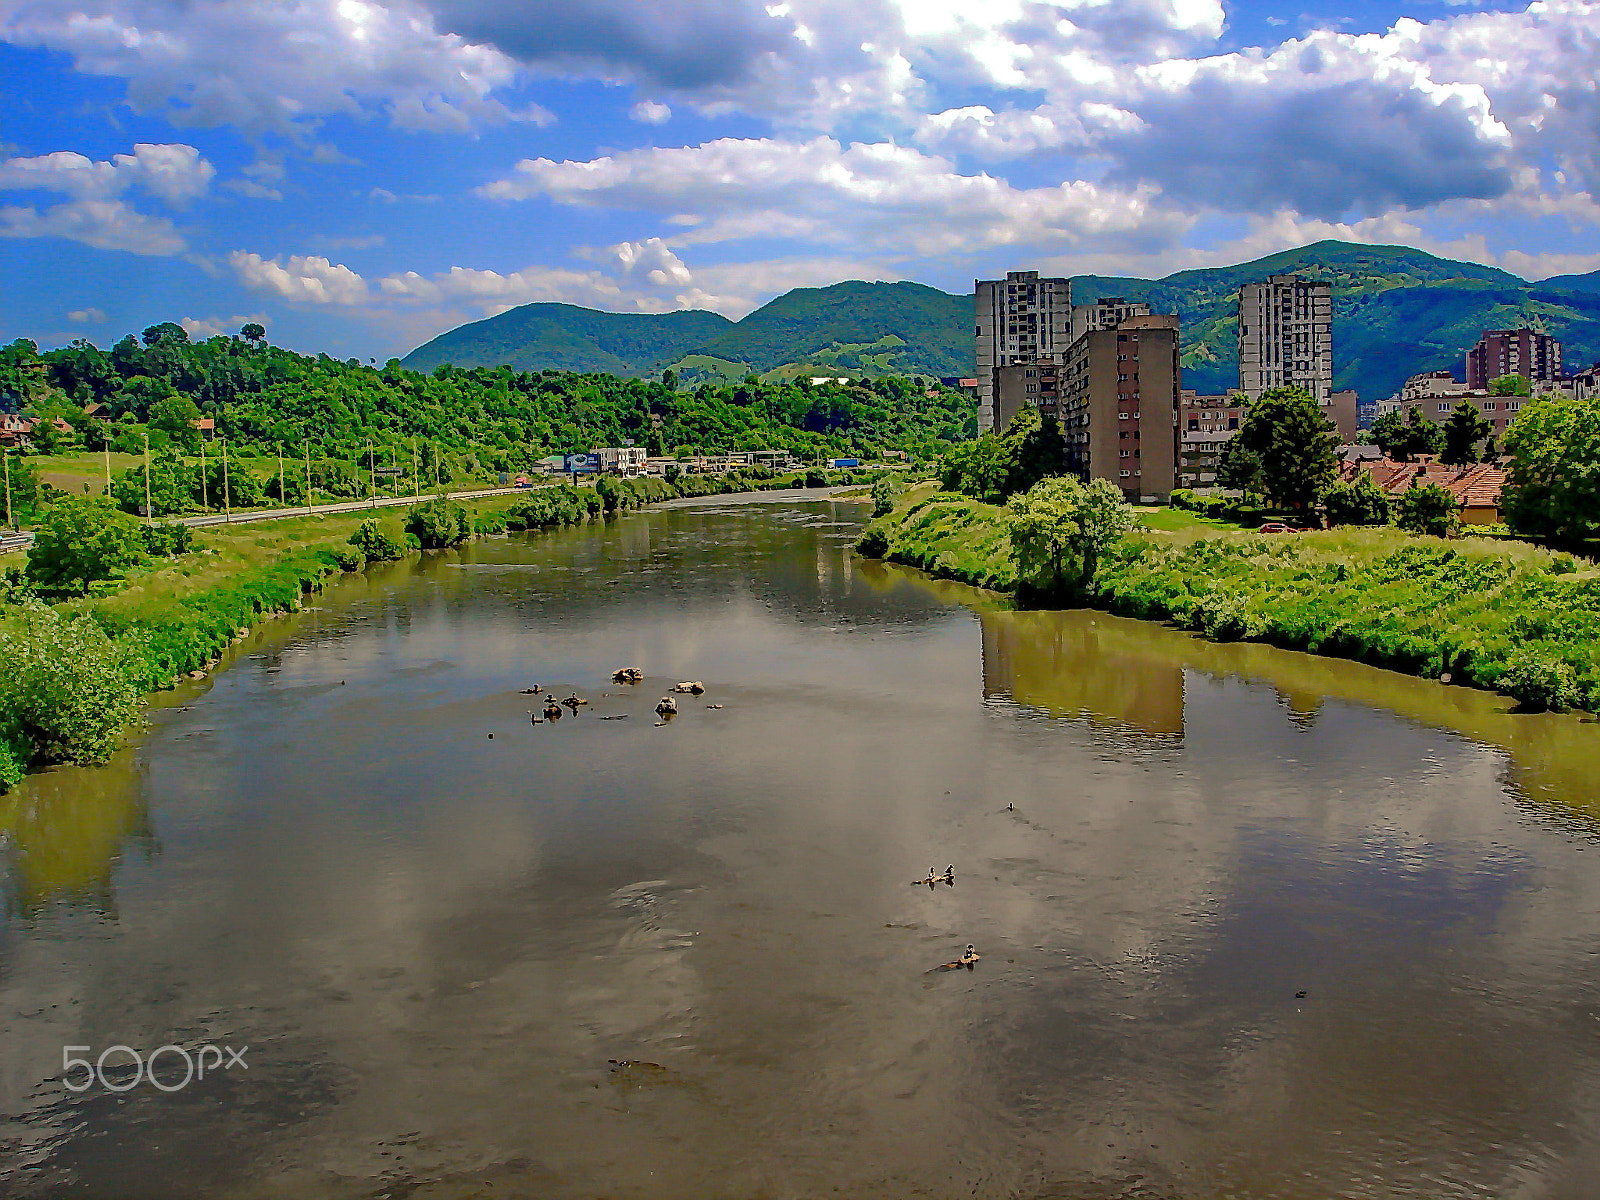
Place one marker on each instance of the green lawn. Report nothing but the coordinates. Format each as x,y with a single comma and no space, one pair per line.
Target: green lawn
1178,520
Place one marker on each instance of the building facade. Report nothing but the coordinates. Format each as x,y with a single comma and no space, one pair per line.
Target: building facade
1037,383
1119,395
1286,336
1527,352
1499,411
1105,313
1018,319
1205,425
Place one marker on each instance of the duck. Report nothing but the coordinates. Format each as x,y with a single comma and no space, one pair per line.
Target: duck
713,706
574,701
666,707
552,710
694,689
627,675
969,957
533,691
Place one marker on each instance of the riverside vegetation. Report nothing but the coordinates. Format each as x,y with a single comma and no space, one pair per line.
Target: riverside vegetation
1499,615
109,609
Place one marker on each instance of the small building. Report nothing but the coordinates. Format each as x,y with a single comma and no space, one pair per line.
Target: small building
207,427
627,461
581,464
1476,487
97,411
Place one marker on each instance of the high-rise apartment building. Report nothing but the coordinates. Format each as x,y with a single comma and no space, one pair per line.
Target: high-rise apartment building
1527,352
1019,319
1106,313
1119,392
1286,336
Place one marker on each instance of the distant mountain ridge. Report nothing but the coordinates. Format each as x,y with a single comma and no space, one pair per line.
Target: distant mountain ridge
1397,310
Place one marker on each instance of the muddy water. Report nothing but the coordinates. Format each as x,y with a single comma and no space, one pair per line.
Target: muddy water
1251,924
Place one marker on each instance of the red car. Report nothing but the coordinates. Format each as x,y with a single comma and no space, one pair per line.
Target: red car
1277,527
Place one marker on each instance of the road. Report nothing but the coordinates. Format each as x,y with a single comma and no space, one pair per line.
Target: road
19,541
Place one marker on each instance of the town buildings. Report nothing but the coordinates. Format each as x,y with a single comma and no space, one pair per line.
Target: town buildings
1205,425
1118,406
1019,319
1286,336
1534,355
1476,486
1106,313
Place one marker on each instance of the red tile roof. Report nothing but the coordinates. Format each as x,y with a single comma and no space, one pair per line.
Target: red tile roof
1478,484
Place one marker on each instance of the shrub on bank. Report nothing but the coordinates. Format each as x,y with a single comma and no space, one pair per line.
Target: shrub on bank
375,543
65,694
438,523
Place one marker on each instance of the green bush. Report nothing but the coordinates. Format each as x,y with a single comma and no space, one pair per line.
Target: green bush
348,558
816,478
1185,498
885,492
1429,509
1541,681
167,538
375,543
64,689
438,523
1358,503
83,540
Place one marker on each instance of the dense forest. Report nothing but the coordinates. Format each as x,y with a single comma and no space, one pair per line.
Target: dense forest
474,422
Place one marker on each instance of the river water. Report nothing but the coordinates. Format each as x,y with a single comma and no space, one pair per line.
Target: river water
1251,924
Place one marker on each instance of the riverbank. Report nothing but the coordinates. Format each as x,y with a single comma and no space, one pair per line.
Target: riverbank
1503,616
175,616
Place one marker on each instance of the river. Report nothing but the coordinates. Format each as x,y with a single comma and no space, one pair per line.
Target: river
1251,924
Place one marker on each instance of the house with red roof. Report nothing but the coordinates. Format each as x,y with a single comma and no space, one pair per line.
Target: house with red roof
1476,486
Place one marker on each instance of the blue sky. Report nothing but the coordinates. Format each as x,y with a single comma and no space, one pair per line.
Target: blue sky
359,175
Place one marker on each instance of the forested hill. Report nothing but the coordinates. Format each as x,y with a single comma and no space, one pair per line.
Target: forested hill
1396,311
482,419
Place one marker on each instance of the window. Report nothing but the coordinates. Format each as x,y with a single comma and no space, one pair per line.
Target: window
1125,474
1122,416
1444,408
1125,454
1194,426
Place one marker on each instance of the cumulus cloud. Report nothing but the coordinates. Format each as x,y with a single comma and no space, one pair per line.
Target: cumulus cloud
103,224
174,173
87,316
310,280
650,112
275,67
876,193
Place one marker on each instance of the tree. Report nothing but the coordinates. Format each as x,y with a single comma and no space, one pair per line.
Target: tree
1428,509
1035,449
46,438
438,523
1462,433
1295,444
252,333
27,488
1553,477
886,492
1239,468
176,416
978,468
1060,528
375,543
1510,385
83,540
174,487
1358,503
1407,438
167,331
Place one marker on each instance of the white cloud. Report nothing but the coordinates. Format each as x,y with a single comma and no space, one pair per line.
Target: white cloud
275,66
894,197
87,316
650,112
199,328
103,224
175,173
252,189
310,280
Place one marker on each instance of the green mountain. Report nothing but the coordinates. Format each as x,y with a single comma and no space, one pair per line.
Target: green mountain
1573,283
565,337
1396,311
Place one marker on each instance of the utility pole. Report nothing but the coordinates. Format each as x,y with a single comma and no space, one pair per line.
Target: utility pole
372,475
205,499
149,515
107,449
9,523
227,508
436,482
308,477
283,496
416,484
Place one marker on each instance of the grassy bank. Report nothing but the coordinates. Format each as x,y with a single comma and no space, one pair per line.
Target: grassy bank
1498,615
71,673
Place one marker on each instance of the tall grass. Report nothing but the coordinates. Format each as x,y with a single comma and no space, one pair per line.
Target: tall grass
1502,616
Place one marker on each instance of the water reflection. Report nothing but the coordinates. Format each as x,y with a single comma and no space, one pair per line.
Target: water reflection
1251,924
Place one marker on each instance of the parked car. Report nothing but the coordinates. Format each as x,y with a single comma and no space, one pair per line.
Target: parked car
1277,527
